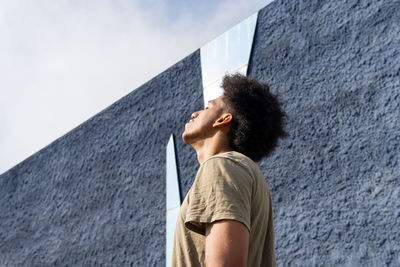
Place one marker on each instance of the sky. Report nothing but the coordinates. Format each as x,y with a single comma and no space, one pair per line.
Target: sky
62,62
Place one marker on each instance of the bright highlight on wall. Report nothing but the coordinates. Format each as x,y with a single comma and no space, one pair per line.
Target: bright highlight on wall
172,198
228,53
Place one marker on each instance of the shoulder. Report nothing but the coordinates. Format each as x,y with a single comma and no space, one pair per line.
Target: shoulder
232,164
231,159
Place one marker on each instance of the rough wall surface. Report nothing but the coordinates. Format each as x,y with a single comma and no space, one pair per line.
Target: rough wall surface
335,181
96,196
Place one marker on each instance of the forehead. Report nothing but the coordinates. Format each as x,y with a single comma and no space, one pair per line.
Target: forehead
217,101
218,104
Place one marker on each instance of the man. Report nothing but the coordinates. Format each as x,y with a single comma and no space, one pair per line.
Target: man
226,217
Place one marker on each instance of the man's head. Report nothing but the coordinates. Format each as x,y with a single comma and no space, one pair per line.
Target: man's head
258,119
247,116
207,123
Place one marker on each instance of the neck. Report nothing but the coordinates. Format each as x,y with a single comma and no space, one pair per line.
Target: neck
207,148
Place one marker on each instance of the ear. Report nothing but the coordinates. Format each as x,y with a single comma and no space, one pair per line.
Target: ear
224,120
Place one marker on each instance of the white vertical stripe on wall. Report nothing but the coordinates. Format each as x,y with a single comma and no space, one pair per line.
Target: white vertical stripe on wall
228,53
173,198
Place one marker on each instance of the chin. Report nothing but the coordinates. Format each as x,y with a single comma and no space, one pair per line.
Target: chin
184,134
183,137
186,138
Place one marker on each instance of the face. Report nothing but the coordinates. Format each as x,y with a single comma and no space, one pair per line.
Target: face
201,123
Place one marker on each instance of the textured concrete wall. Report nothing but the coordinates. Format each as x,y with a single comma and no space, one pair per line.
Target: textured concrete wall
97,195
335,181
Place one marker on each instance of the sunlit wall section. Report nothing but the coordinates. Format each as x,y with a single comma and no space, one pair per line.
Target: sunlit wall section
228,53
173,198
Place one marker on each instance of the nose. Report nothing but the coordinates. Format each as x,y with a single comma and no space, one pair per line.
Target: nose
194,115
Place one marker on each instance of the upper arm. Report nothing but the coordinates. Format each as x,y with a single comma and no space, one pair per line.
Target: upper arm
227,243
222,191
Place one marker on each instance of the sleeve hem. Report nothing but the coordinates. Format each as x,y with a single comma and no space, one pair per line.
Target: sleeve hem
202,220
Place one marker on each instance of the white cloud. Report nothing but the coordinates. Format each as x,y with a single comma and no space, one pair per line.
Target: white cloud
64,61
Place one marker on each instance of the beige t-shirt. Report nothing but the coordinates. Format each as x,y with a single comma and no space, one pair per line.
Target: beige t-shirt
227,186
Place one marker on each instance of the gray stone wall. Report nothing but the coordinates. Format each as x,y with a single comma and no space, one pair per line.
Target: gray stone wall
96,196
335,181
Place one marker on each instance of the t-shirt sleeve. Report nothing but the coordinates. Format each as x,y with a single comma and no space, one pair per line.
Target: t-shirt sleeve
221,191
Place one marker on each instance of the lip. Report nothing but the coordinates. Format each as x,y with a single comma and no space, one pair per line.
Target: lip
189,122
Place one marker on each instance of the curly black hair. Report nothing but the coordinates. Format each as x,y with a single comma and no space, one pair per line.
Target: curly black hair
258,119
